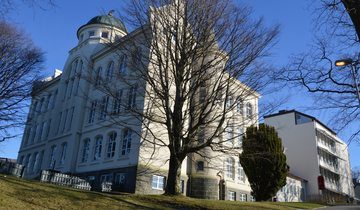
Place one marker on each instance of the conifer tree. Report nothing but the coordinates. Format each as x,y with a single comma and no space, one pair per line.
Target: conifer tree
264,161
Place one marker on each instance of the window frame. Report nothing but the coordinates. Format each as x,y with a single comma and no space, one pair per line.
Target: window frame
159,182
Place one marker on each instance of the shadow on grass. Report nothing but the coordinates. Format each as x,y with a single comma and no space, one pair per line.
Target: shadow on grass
31,192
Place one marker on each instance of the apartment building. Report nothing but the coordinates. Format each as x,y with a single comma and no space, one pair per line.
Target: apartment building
313,150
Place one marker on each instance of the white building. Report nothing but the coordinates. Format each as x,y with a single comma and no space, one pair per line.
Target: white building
313,150
293,191
70,127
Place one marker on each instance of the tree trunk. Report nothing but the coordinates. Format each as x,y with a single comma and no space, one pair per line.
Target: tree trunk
173,180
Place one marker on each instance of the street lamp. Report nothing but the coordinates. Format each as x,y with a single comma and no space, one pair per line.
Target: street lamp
346,62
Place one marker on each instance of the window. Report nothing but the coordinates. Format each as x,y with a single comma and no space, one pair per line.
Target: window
201,135
117,102
71,118
158,182
120,178
200,165
38,161
52,156
110,152
243,197
229,168
64,119
98,76
79,70
241,173
123,65
240,136
41,129
239,107
110,71
27,159
249,111
229,136
41,107
105,34
47,129
126,146
106,178
91,33
132,97
136,56
85,151
229,102
47,104
103,107
66,89
63,153
98,147
92,111
35,129
232,195
34,108
202,92
182,185
71,85
53,102
32,162
74,68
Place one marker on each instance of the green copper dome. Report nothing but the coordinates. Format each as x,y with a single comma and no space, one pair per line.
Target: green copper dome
108,19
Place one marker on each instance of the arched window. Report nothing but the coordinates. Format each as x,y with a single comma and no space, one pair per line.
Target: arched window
110,152
229,168
249,110
126,144
123,65
110,71
85,151
98,76
98,147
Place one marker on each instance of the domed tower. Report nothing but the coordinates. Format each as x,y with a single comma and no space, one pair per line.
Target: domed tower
106,27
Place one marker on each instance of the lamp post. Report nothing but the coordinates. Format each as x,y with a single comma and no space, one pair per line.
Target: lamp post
346,62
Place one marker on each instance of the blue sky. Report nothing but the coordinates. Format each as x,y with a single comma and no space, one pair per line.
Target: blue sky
54,31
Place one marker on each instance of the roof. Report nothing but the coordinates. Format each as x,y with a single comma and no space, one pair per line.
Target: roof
108,19
283,112
296,177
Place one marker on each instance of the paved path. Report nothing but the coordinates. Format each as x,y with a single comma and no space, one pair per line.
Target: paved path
341,208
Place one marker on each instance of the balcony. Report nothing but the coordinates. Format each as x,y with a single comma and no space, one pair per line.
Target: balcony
332,185
328,148
331,167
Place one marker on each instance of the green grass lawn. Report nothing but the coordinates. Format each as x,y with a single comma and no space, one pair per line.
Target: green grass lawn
17,193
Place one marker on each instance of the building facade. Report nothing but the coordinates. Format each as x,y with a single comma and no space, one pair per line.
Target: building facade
73,127
313,150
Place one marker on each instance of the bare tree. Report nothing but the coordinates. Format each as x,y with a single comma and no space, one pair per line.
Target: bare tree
20,63
187,58
355,173
7,6
334,88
